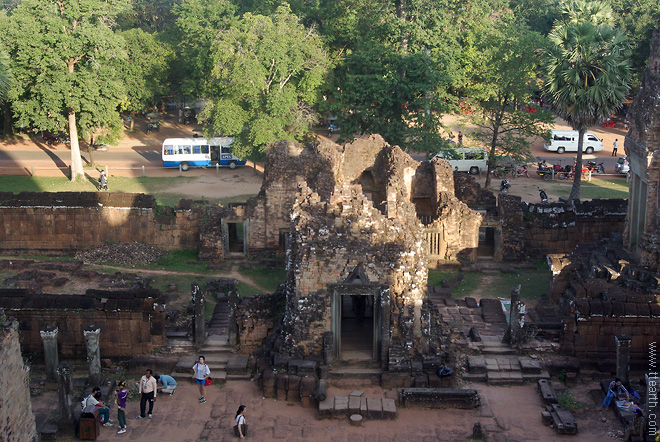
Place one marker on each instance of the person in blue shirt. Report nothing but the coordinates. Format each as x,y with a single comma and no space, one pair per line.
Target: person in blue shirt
615,391
166,384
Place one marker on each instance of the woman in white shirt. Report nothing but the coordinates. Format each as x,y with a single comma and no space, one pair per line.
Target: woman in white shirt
241,426
201,372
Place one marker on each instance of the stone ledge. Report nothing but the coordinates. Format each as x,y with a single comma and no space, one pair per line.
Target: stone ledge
346,406
439,398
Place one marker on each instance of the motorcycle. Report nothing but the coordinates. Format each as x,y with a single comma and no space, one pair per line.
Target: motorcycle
543,195
547,171
520,171
504,186
595,168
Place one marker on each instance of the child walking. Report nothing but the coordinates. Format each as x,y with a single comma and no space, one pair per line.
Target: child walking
122,394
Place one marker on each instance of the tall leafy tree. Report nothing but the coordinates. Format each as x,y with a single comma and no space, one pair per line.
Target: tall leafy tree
198,23
5,84
400,63
501,90
145,72
65,58
267,72
587,70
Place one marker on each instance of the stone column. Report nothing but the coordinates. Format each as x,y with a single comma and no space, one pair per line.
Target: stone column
49,336
623,358
92,333
199,313
65,390
514,334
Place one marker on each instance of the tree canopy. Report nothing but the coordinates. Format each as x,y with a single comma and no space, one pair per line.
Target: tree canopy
266,71
503,91
65,59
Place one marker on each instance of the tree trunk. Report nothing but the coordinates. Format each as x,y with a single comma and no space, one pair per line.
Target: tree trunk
76,160
90,148
492,156
132,124
577,179
7,126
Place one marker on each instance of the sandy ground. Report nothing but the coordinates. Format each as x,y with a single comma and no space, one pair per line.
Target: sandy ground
507,414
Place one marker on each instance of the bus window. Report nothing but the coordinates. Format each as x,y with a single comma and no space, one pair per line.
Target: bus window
205,149
185,150
168,150
226,149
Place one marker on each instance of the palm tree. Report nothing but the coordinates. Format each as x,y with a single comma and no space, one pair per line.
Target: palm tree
587,73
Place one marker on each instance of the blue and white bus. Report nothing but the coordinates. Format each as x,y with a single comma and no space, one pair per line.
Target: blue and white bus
199,152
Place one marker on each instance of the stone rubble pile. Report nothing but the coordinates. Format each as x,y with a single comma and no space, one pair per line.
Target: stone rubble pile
127,254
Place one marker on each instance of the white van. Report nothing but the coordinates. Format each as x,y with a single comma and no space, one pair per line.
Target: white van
465,159
567,141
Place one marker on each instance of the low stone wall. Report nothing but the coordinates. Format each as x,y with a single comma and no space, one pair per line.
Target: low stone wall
17,422
132,323
591,336
538,229
71,221
439,398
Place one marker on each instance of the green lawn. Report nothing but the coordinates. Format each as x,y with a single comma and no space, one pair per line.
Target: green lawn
160,187
601,188
534,283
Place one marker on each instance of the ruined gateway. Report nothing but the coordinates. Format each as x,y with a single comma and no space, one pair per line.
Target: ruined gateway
357,254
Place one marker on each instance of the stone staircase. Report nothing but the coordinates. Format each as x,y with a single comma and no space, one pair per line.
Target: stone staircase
499,364
217,351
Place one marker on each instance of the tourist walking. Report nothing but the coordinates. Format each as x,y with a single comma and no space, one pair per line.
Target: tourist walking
122,395
615,390
201,372
615,147
147,391
166,384
240,429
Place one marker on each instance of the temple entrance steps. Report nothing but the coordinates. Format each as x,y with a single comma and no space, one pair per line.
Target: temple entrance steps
217,350
219,320
356,373
499,364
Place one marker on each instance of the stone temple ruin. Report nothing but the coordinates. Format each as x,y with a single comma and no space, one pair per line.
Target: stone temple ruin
357,260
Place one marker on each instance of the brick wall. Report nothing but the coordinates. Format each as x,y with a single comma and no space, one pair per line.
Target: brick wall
69,221
17,422
132,323
591,325
256,317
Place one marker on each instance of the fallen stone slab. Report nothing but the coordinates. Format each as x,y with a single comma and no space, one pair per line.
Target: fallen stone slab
529,366
476,365
547,392
562,419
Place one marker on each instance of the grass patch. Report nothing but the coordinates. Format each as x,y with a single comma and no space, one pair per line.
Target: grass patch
178,261
269,279
160,187
598,188
534,282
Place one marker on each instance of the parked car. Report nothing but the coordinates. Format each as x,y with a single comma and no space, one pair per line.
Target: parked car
622,165
567,141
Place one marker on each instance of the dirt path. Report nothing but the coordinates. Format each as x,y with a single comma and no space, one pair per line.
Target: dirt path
232,274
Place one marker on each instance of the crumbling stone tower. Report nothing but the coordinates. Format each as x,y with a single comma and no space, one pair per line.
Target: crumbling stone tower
643,149
357,255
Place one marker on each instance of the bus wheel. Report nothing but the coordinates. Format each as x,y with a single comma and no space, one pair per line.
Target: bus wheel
232,165
185,166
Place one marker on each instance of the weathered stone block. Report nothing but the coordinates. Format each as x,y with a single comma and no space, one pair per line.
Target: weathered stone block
341,406
326,408
389,408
